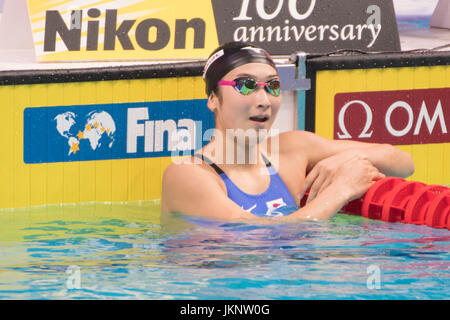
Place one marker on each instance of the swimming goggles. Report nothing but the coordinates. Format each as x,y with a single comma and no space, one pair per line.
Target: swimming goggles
246,86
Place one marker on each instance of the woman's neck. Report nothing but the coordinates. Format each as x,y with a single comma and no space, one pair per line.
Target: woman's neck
234,149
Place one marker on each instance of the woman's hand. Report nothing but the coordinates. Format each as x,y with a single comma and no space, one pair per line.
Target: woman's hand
356,177
350,171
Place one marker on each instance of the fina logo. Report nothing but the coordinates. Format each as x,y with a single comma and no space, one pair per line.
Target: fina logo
139,125
113,131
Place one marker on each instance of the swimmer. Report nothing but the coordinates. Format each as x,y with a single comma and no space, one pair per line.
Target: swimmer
243,89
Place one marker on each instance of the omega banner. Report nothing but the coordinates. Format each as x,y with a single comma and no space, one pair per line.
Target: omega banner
403,117
180,29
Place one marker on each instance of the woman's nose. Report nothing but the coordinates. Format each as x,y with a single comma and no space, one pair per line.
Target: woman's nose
262,98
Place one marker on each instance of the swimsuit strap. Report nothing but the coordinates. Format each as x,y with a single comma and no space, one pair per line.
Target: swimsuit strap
208,161
220,171
266,161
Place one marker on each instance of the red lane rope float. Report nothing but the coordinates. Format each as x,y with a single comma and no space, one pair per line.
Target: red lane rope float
354,207
438,215
417,208
375,197
397,200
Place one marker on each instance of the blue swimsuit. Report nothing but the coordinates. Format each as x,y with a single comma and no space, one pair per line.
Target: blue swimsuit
275,201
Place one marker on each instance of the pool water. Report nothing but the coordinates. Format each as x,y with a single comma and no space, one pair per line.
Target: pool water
124,251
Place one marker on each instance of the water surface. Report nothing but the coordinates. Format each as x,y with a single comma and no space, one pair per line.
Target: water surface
124,251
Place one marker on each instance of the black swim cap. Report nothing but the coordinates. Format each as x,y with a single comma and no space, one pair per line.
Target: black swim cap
230,56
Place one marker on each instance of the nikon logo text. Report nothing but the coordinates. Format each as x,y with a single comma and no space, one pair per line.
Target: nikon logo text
70,32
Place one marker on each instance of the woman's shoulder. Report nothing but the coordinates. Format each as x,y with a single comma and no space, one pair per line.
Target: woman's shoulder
290,148
295,141
190,187
297,134
187,175
183,169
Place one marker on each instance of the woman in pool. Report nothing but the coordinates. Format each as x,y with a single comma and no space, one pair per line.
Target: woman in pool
243,91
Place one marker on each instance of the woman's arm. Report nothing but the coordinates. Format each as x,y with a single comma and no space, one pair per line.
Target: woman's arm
388,159
325,157
190,189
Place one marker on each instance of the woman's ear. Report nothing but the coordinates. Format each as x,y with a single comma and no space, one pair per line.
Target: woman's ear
213,102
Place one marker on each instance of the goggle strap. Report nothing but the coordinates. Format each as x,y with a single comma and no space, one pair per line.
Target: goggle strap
233,83
227,83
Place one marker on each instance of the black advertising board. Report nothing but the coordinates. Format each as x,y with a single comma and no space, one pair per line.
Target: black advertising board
313,26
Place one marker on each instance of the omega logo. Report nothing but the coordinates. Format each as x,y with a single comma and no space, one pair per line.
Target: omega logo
423,118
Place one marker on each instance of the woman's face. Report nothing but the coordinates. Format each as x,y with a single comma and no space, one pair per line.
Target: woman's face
256,110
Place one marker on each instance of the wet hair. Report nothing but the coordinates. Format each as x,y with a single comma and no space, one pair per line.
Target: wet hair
228,57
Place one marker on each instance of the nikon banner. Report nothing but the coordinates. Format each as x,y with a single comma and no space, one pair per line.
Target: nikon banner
179,29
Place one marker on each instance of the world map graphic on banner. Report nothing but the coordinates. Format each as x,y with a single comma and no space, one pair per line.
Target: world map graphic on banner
95,126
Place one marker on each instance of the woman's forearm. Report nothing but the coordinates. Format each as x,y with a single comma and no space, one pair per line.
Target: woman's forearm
390,160
323,207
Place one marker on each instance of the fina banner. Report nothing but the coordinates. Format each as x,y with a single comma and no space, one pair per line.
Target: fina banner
113,131
70,30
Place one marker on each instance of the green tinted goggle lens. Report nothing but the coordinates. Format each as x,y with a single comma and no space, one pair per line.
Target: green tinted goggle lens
249,85
246,86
